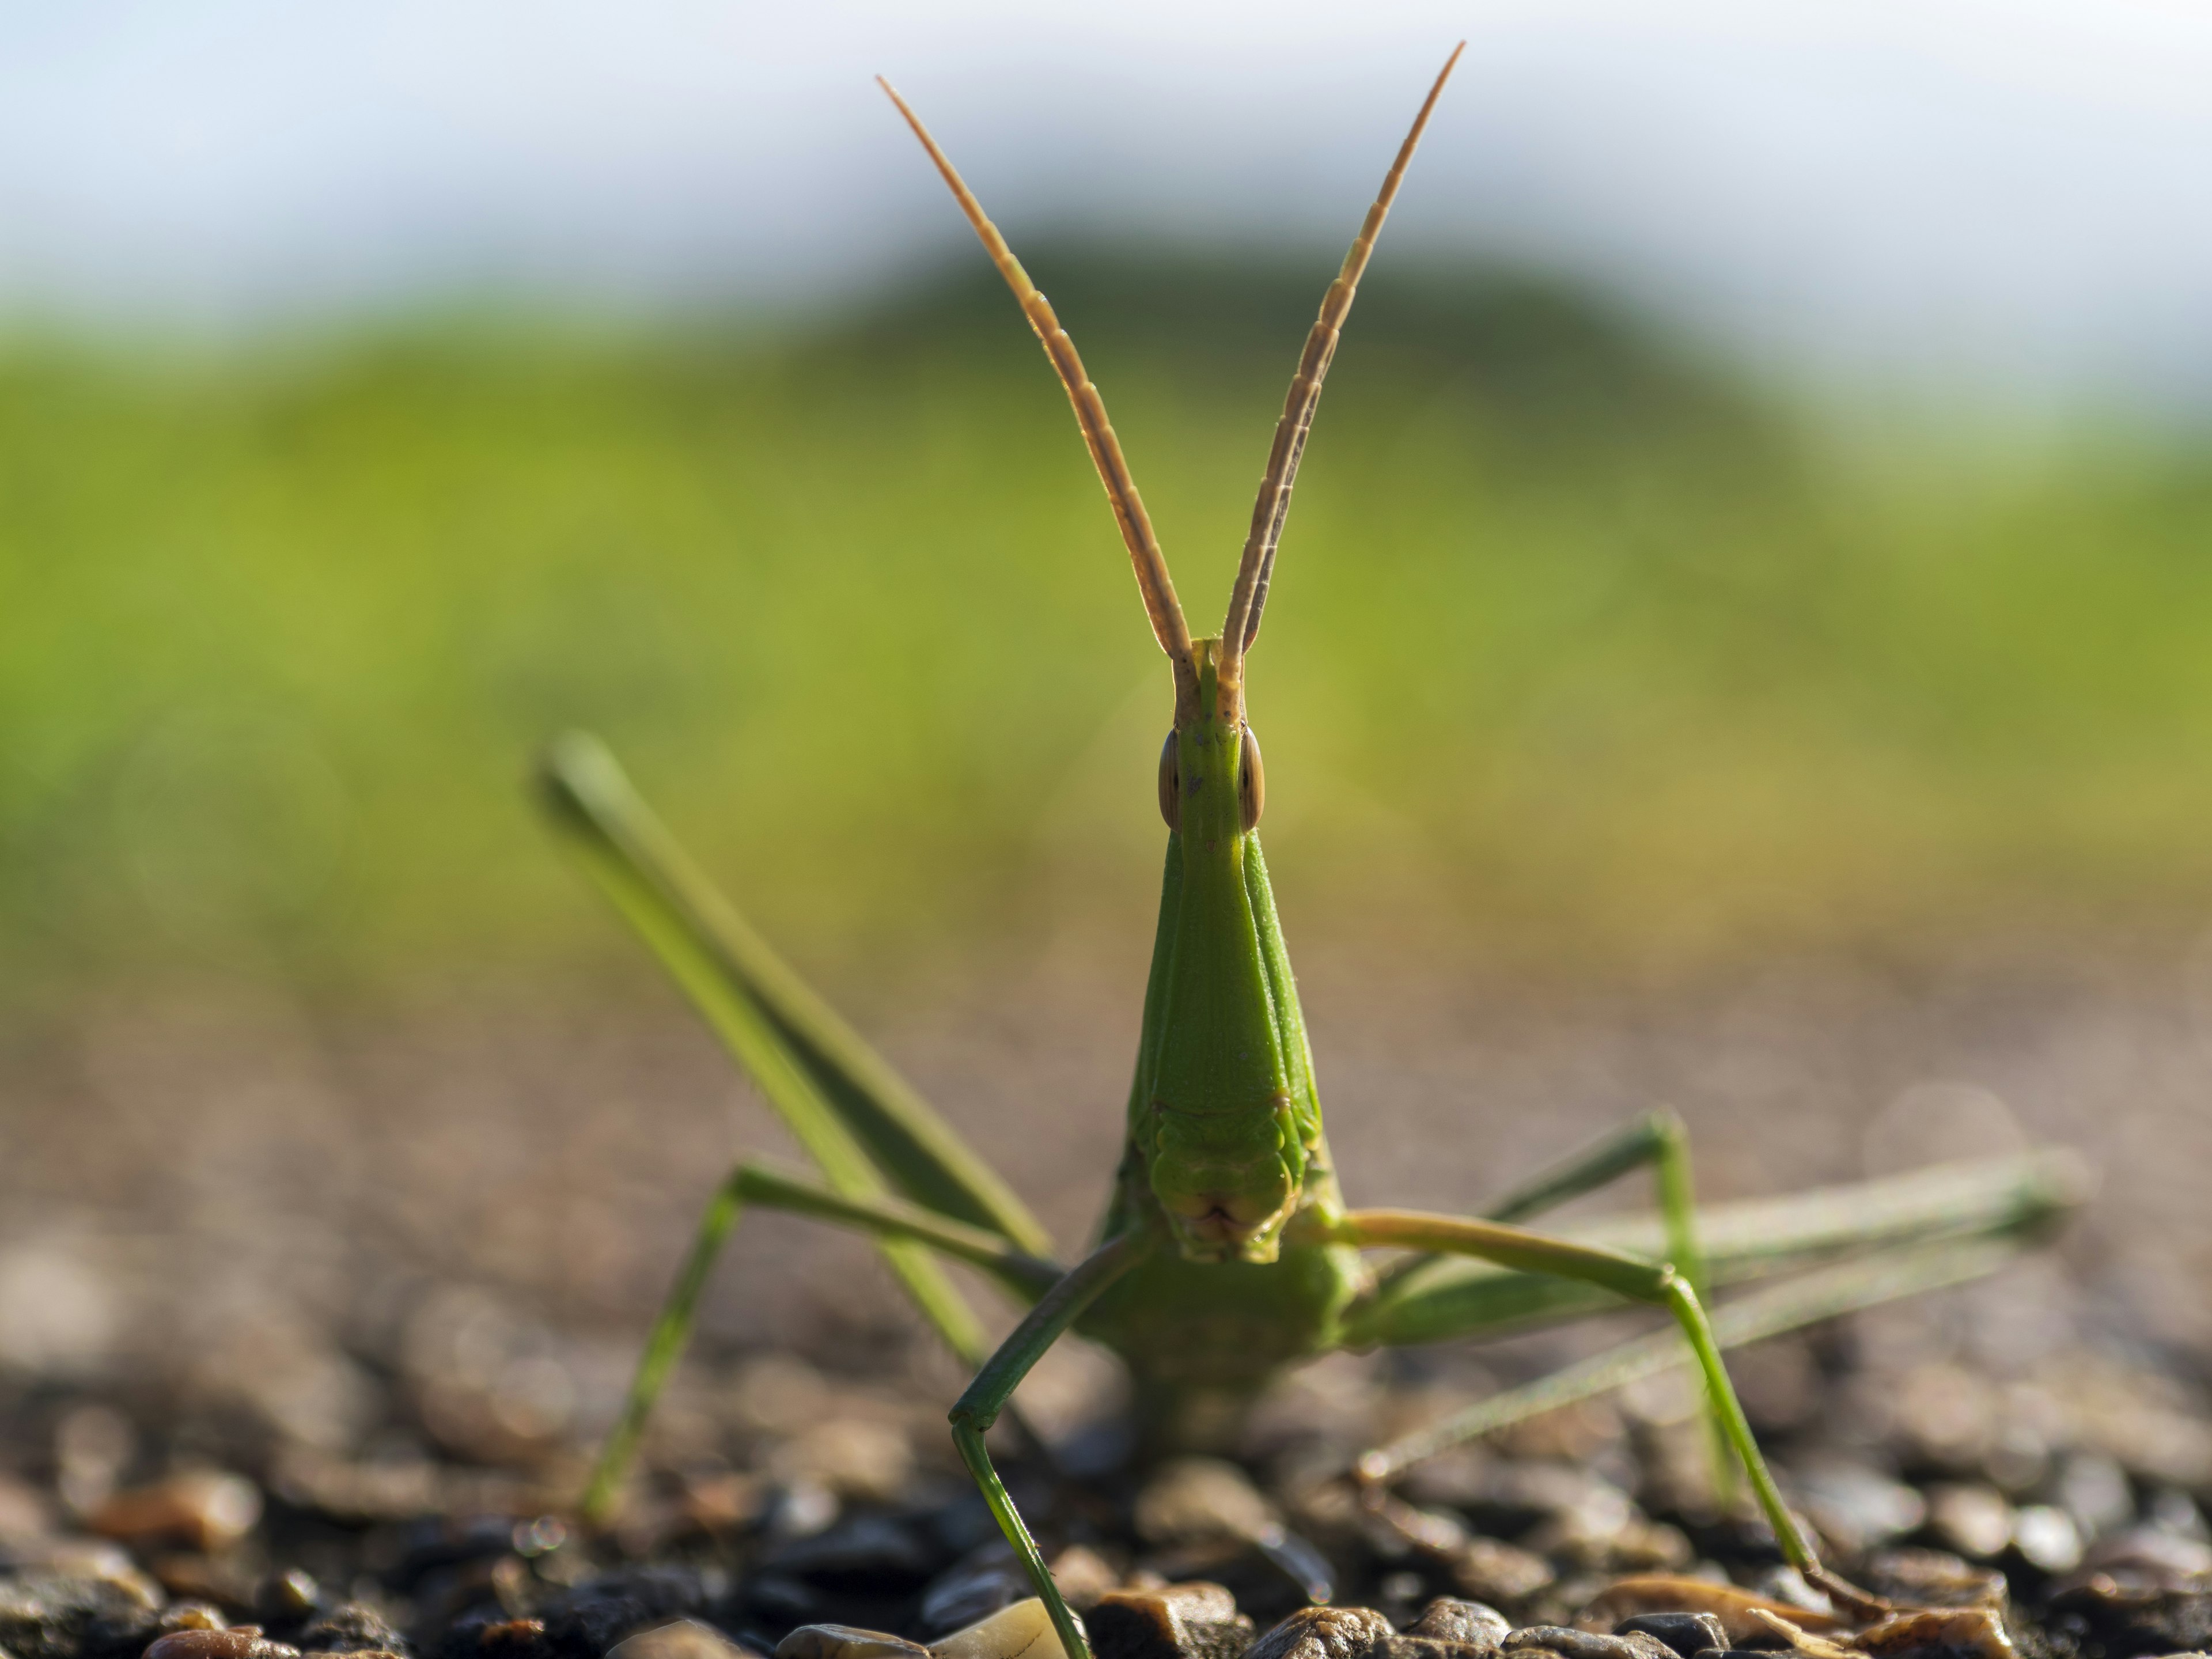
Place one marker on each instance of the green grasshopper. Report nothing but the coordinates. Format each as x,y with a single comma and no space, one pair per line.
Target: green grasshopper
1227,1254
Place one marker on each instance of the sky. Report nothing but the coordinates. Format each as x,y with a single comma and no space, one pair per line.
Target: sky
2011,192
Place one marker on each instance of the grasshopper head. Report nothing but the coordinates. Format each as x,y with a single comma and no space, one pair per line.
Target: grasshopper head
1228,1180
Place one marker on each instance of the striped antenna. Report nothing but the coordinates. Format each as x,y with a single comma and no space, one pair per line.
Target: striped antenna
1152,564
1257,568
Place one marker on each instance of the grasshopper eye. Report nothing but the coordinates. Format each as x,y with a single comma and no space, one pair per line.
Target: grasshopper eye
1170,785
1251,782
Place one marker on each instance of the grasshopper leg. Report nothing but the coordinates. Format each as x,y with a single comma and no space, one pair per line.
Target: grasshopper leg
978,1407
769,1188
1655,1282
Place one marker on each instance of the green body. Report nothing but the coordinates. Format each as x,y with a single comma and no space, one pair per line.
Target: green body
1224,1154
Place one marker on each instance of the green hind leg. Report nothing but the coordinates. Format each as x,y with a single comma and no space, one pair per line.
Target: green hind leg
1656,1282
888,1219
1660,1141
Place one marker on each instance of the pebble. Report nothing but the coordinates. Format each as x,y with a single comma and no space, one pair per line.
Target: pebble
1490,1571
63,1615
1196,1620
1569,1644
351,1627
846,1642
286,1597
237,1642
1083,1576
1464,1623
591,1617
1970,1519
1931,1579
1951,1631
1193,1499
1022,1630
1855,1508
205,1509
870,1548
2094,1489
1325,1634
686,1638
2046,1538
1687,1633
981,1583
1668,1593
190,1615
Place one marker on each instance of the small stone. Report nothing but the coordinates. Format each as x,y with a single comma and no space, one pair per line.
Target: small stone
1669,1593
1465,1624
1855,1508
1196,1620
286,1597
983,1580
2046,1538
1325,1634
24,1511
1948,1631
205,1509
846,1642
599,1612
875,1550
238,1642
1569,1644
1083,1576
1687,1633
1490,1571
48,1615
686,1638
2151,1557
1931,1579
351,1627
191,1615
2094,1489
1197,1499
1971,1519
1022,1630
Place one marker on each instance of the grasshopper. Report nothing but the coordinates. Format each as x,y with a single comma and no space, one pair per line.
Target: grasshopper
1227,1253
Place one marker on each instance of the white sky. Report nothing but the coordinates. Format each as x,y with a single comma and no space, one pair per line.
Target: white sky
2017,189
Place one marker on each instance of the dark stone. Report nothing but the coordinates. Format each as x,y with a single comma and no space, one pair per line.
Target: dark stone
350,1627
871,1551
1687,1633
488,1633
285,1599
1197,1621
2107,1620
595,1615
979,1585
63,1616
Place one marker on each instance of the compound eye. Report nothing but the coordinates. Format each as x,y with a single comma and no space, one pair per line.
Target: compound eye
1170,785
1251,782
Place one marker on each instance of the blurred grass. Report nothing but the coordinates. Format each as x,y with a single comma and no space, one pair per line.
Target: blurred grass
1578,651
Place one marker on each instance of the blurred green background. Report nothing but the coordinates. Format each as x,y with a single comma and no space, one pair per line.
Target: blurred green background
1583,651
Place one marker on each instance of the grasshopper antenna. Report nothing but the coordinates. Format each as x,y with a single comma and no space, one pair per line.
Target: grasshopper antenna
1257,567
1152,564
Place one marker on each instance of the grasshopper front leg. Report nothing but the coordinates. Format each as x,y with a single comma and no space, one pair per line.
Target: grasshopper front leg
979,1407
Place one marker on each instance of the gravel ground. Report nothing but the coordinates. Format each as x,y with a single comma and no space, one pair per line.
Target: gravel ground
305,1315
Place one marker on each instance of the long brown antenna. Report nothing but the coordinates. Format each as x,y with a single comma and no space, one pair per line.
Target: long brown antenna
1152,564
1249,596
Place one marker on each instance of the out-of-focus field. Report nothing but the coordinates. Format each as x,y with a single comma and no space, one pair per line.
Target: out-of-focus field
1580,654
